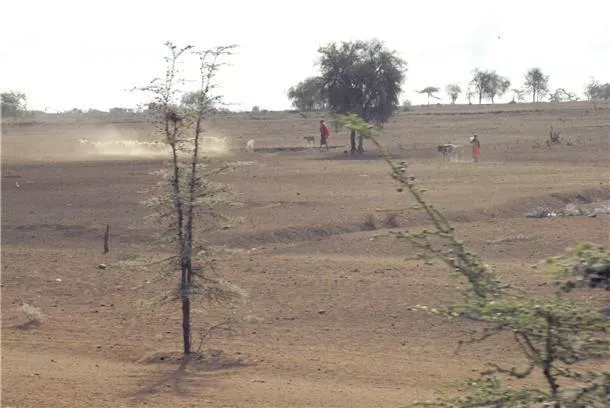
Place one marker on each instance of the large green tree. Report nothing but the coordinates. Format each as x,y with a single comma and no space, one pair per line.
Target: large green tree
362,77
536,83
308,95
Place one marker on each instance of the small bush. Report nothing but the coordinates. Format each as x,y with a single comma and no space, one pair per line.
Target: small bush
32,313
369,221
391,220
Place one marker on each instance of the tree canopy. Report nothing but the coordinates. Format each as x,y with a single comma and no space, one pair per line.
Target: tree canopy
489,84
12,103
453,90
536,83
309,94
362,77
430,91
595,90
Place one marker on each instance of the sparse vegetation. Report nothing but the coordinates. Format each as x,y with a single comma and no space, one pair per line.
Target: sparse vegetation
536,83
453,91
489,84
430,91
189,195
562,95
33,314
556,336
13,103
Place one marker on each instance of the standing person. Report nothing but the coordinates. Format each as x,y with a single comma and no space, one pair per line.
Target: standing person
324,134
476,148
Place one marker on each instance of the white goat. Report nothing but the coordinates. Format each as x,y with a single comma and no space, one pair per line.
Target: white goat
250,145
450,150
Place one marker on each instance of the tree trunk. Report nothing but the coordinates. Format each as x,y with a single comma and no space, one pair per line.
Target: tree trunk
480,97
534,96
186,307
352,138
360,144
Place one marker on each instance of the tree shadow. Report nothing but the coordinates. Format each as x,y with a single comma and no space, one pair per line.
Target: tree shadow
30,324
356,157
184,374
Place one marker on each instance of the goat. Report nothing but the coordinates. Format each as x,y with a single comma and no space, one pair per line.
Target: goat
311,140
450,149
250,145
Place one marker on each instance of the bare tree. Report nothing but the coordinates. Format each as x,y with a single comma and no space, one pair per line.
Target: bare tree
536,83
193,196
453,90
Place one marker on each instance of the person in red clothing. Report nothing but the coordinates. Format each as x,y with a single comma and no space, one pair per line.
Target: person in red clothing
476,148
324,134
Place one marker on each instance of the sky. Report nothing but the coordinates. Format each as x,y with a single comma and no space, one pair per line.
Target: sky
88,55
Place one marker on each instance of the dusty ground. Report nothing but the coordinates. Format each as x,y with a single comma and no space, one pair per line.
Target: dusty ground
327,317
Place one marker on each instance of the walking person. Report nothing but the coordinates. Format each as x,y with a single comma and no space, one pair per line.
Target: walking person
324,135
476,148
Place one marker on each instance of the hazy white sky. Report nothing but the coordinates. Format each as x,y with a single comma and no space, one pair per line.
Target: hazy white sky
65,54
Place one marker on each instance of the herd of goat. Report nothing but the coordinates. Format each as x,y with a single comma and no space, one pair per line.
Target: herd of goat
449,151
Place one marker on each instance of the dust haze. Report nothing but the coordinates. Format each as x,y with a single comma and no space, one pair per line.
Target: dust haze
94,142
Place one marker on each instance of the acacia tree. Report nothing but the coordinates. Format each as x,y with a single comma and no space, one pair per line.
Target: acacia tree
189,196
555,335
536,83
308,95
430,91
362,77
453,90
518,94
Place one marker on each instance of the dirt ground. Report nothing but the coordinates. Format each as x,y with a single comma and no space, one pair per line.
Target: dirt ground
328,320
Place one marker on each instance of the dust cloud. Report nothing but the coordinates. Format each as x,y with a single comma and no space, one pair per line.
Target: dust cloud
85,142
117,143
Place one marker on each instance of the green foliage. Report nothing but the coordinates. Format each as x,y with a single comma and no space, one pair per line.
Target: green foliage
489,84
191,100
362,77
536,83
308,95
188,196
12,103
518,94
595,90
430,91
562,95
486,392
453,90
556,336
587,266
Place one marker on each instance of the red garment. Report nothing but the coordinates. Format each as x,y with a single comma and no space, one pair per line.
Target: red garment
324,130
476,148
